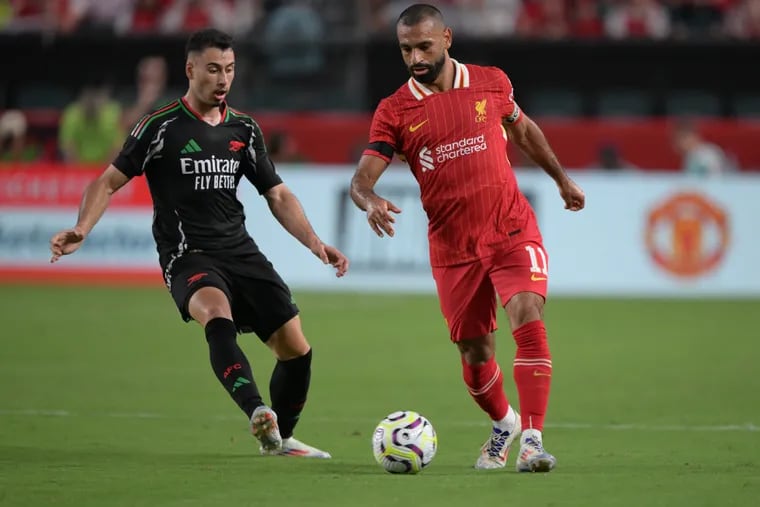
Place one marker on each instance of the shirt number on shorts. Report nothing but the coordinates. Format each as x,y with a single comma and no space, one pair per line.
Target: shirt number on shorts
535,266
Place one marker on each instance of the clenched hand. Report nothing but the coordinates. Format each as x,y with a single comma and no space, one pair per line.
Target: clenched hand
572,194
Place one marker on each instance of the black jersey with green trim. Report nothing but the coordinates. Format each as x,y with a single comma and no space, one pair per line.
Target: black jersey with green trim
193,170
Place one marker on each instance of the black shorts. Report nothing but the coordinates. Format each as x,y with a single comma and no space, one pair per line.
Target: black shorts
261,302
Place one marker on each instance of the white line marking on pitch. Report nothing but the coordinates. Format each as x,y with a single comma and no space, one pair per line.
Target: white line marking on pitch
747,427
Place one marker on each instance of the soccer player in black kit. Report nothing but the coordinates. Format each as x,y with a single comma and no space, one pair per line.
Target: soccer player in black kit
194,152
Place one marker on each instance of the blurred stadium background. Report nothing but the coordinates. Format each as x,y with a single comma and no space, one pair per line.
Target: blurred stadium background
652,106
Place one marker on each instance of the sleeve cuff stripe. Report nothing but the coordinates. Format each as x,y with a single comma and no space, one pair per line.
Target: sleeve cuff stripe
377,154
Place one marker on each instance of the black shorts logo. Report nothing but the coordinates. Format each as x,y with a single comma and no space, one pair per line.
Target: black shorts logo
191,280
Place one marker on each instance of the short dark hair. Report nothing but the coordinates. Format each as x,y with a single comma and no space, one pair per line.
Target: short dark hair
208,38
417,13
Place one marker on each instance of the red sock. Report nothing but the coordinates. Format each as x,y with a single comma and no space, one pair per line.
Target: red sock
533,373
486,385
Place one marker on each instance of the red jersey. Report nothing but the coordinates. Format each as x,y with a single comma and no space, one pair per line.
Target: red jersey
456,148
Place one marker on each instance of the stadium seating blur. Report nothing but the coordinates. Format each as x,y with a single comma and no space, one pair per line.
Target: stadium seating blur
571,61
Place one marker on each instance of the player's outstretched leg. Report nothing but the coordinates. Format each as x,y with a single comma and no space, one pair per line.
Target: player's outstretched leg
289,388
485,383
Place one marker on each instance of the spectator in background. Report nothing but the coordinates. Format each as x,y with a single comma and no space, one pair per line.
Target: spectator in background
548,19
90,129
12,134
698,19
638,19
152,76
586,23
293,37
191,15
94,16
377,17
384,13
234,16
699,157
143,17
487,18
609,159
32,15
245,15
14,144
6,14
743,21
282,148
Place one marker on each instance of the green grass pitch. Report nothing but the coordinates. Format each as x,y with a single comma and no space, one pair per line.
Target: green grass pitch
107,399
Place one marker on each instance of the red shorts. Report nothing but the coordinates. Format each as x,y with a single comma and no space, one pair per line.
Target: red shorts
467,292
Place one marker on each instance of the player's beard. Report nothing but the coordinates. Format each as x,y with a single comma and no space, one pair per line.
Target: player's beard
433,71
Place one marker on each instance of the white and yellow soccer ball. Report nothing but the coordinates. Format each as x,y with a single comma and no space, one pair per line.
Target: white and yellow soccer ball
404,442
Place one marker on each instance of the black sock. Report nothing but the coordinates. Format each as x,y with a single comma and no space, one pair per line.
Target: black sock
230,364
288,389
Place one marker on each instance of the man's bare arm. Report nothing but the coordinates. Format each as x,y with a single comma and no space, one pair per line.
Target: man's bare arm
94,203
363,194
531,140
527,135
97,196
365,178
287,209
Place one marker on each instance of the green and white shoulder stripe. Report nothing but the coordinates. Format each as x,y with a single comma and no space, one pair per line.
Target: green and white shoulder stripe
146,120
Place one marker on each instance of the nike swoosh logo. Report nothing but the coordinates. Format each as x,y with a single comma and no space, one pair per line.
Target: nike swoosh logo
537,278
537,373
412,128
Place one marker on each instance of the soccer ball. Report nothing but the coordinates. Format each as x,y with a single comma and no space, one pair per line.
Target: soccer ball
404,442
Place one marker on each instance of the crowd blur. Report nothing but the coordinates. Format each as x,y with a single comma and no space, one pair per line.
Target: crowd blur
547,19
89,128
583,19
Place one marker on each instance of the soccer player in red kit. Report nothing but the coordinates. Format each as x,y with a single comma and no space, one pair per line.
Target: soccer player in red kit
451,122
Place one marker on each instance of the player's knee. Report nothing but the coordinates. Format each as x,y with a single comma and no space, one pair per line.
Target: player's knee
525,307
209,303
289,342
477,350
206,314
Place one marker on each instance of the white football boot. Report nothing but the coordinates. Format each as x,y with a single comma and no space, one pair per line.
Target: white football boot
533,457
292,447
495,451
264,428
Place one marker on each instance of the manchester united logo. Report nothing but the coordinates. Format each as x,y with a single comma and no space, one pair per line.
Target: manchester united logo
687,234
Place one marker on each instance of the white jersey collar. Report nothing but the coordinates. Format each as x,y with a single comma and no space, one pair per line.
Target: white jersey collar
461,80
